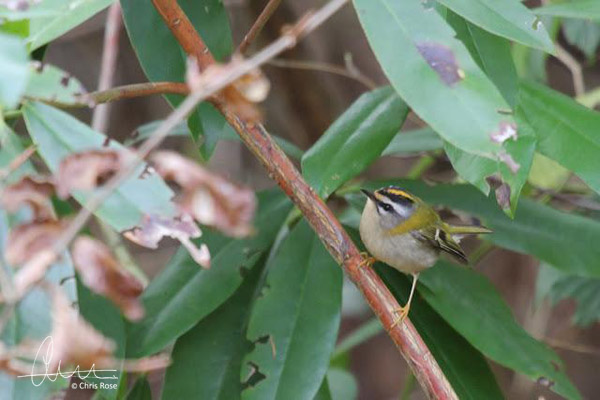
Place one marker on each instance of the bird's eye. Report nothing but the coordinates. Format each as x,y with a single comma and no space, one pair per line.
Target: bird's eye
386,207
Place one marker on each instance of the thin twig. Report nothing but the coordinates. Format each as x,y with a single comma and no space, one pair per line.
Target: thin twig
325,67
319,216
258,25
17,162
109,61
574,347
574,67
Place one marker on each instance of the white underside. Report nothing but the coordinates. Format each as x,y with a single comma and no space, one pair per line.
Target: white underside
402,252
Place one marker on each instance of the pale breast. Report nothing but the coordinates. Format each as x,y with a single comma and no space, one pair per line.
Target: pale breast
403,252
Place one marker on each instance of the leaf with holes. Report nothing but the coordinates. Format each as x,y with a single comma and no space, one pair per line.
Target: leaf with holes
51,84
434,73
207,360
354,140
58,135
163,60
184,294
294,321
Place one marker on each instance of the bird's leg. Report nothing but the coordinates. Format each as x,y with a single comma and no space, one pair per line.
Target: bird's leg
367,260
403,311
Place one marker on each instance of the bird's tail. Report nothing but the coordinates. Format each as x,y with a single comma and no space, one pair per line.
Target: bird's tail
468,230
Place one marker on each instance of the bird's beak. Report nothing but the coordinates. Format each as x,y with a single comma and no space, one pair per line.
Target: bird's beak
368,194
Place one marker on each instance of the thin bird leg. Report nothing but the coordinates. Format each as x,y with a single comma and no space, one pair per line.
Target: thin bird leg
367,260
403,311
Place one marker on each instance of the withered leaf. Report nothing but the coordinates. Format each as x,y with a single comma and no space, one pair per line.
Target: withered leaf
31,191
87,170
209,198
26,240
74,340
154,228
103,275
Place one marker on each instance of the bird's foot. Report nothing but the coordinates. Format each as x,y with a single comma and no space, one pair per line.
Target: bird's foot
367,260
401,314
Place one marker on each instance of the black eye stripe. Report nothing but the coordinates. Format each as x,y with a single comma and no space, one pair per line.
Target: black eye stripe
398,199
385,206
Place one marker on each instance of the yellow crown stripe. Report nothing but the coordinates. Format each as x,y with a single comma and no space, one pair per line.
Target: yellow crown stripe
399,192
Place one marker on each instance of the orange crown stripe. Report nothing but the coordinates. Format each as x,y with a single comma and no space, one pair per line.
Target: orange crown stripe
398,192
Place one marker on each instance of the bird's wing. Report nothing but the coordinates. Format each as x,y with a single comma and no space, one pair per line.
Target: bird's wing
438,238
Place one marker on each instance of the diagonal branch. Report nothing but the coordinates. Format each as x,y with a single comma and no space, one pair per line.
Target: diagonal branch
320,217
258,25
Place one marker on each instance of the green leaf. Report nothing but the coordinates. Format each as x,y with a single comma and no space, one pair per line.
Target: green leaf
466,369
537,229
434,73
10,148
141,390
58,135
68,15
184,294
584,34
567,132
105,317
476,170
584,9
415,141
48,83
547,174
509,19
558,285
207,360
492,53
295,320
15,70
162,59
471,305
354,140
341,384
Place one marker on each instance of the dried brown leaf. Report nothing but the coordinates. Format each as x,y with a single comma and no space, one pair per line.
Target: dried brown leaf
87,170
75,341
103,275
26,240
209,198
154,228
33,192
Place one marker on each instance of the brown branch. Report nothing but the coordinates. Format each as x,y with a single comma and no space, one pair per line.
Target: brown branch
122,92
320,217
109,61
258,25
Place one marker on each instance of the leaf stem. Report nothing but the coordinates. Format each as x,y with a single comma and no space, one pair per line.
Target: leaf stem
420,167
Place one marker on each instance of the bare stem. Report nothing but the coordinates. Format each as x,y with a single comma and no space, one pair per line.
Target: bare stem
109,61
258,25
320,217
574,67
325,67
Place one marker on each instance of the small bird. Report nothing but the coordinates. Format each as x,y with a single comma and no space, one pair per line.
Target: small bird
406,233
